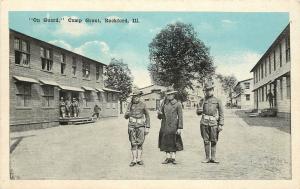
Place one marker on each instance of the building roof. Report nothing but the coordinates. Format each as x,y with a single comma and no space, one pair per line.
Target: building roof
243,81
88,88
48,82
25,79
111,90
285,32
70,88
57,47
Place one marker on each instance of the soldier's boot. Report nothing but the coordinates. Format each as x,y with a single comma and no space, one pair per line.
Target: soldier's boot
213,152
139,157
134,156
207,152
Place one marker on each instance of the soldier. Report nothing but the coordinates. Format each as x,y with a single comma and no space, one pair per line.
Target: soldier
68,106
138,126
62,107
270,98
169,139
75,107
211,123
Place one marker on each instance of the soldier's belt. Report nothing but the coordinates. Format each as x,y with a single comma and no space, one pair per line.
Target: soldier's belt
209,118
136,120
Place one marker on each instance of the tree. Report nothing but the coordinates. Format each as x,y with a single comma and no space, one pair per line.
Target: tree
229,85
177,57
118,77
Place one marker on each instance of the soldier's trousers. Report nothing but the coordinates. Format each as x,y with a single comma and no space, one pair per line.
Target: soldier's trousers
136,137
209,133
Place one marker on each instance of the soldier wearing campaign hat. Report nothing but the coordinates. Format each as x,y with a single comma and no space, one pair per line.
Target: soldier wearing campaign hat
138,126
212,121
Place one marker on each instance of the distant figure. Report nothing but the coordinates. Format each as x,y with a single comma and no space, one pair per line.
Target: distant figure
62,107
97,110
68,107
75,107
270,97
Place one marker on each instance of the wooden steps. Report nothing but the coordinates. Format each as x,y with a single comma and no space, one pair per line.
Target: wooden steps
75,121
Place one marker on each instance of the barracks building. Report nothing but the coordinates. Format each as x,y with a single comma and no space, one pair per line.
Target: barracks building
41,73
272,73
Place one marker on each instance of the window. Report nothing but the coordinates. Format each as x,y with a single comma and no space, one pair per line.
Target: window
266,71
114,97
74,66
106,97
270,65
62,63
263,94
46,58
258,73
247,85
99,95
109,97
97,72
274,60
247,97
48,96
87,98
287,49
280,55
147,99
254,76
288,87
22,52
262,70
281,90
23,94
86,70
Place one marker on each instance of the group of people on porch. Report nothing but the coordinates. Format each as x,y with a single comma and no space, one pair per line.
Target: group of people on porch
68,108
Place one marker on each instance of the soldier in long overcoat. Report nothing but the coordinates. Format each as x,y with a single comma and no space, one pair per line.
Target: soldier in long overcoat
138,126
170,113
212,121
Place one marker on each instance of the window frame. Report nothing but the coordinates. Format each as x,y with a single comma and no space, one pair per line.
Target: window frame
48,95
274,60
45,59
288,87
25,96
247,97
74,66
97,72
86,70
63,64
287,49
19,50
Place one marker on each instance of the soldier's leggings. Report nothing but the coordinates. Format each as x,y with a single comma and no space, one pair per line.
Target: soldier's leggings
136,137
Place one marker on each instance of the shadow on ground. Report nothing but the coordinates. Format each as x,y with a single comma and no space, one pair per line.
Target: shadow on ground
16,142
282,124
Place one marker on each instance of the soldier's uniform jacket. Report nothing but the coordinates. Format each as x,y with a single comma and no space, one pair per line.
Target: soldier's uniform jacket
212,111
138,115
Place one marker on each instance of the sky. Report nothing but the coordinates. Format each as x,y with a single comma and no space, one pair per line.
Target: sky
236,40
